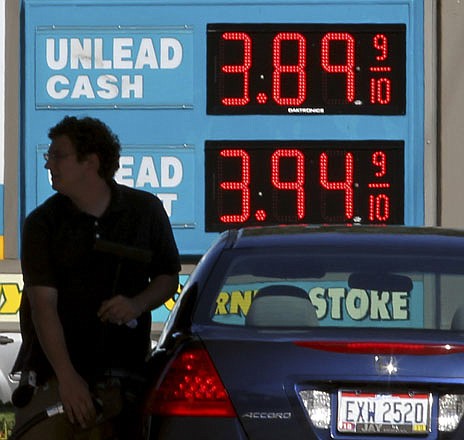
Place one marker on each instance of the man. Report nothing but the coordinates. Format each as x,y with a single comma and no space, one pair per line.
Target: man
97,257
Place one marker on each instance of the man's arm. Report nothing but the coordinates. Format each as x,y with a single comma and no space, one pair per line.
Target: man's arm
121,309
74,391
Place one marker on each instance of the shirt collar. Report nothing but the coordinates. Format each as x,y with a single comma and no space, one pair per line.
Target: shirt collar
117,202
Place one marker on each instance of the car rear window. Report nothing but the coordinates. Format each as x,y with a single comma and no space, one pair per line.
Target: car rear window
382,290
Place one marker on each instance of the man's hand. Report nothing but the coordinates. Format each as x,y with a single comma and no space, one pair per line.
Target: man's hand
76,399
123,310
119,310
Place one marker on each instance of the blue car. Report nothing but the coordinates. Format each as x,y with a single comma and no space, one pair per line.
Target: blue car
303,332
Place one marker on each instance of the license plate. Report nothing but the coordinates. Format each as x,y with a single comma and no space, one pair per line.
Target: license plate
383,413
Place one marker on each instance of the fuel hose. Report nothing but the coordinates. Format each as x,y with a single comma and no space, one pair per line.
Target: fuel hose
48,412
41,416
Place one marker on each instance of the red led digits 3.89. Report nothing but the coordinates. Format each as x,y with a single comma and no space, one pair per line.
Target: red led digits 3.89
306,69
274,182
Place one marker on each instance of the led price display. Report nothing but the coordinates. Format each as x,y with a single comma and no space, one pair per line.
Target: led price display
310,182
306,69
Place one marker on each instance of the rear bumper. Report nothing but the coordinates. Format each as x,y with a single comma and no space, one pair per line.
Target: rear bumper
204,428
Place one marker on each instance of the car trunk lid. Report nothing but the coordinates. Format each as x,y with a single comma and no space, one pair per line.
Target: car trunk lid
265,371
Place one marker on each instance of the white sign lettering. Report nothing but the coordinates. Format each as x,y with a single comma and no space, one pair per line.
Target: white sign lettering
88,53
105,87
121,67
167,172
358,304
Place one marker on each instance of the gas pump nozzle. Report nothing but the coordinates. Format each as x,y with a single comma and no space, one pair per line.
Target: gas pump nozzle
123,252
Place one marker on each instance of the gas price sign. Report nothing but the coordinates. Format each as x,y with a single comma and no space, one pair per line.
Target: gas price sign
306,69
267,112
274,182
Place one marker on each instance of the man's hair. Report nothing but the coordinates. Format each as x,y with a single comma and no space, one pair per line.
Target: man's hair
90,135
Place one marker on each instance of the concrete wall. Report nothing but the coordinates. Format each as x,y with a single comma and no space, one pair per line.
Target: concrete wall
451,113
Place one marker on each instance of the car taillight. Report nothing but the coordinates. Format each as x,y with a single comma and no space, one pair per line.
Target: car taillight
191,386
363,347
450,411
318,407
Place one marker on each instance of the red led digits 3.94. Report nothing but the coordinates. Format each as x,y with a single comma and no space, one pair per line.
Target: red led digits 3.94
273,182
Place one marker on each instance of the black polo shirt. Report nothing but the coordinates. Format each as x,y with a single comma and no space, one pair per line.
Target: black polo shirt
59,250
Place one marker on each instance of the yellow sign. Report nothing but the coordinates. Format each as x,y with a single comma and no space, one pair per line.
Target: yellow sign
11,286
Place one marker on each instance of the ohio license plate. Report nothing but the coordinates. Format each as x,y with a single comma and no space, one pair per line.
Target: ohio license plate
383,413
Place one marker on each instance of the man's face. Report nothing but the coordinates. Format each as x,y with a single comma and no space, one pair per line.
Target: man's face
67,173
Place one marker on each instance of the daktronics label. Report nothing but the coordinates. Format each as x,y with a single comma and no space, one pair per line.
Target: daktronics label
306,69
275,182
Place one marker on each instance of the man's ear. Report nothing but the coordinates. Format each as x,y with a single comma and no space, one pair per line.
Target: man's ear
94,161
